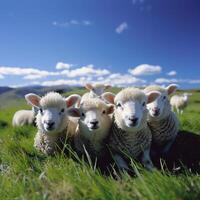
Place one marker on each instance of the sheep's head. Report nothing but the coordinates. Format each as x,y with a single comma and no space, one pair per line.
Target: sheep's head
52,110
130,107
160,108
93,117
97,89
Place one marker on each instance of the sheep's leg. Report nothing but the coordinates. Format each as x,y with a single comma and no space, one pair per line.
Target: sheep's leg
121,163
146,160
181,112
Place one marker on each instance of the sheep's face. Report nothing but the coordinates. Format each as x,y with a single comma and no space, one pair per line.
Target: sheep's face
93,119
98,89
51,118
130,107
160,108
52,110
130,113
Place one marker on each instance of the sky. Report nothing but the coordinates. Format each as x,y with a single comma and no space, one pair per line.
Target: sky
117,42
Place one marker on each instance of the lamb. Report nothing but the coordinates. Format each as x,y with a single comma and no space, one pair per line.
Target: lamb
130,135
162,121
24,117
93,128
95,90
179,102
54,126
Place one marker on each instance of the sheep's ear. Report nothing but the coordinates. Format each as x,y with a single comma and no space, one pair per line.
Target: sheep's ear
72,99
107,87
88,86
110,109
108,96
33,99
152,96
171,88
73,112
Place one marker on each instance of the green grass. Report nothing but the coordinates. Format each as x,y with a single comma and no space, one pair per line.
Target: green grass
27,174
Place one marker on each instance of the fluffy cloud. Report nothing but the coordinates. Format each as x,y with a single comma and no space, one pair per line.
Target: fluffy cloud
118,79
165,80
88,70
188,81
72,22
172,73
137,1
72,82
1,76
61,65
145,69
32,73
28,73
121,28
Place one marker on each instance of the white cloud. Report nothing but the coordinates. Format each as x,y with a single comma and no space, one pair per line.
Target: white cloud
61,65
87,22
145,69
88,70
119,80
72,82
165,80
1,76
137,1
194,81
28,73
72,22
121,28
187,81
172,73
123,80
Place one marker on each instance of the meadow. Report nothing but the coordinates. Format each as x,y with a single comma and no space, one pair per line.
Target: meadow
27,174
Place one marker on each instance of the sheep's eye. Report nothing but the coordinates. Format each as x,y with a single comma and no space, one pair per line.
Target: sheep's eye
83,114
62,110
119,105
104,112
143,104
164,97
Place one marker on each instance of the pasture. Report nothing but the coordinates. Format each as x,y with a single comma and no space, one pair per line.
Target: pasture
27,174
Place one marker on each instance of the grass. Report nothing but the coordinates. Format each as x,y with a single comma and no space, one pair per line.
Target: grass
27,174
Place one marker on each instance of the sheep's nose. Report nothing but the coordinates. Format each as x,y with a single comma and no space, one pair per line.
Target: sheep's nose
156,111
94,123
50,123
133,119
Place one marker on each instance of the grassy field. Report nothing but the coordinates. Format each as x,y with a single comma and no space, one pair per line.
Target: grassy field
27,174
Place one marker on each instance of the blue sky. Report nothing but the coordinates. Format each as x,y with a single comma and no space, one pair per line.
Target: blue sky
121,42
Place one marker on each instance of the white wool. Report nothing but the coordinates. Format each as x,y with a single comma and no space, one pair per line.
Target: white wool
49,143
179,102
93,140
134,141
23,117
96,92
165,125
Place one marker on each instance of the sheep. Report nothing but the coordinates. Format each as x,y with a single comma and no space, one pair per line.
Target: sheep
54,126
24,117
179,102
93,128
130,135
161,120
95,90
